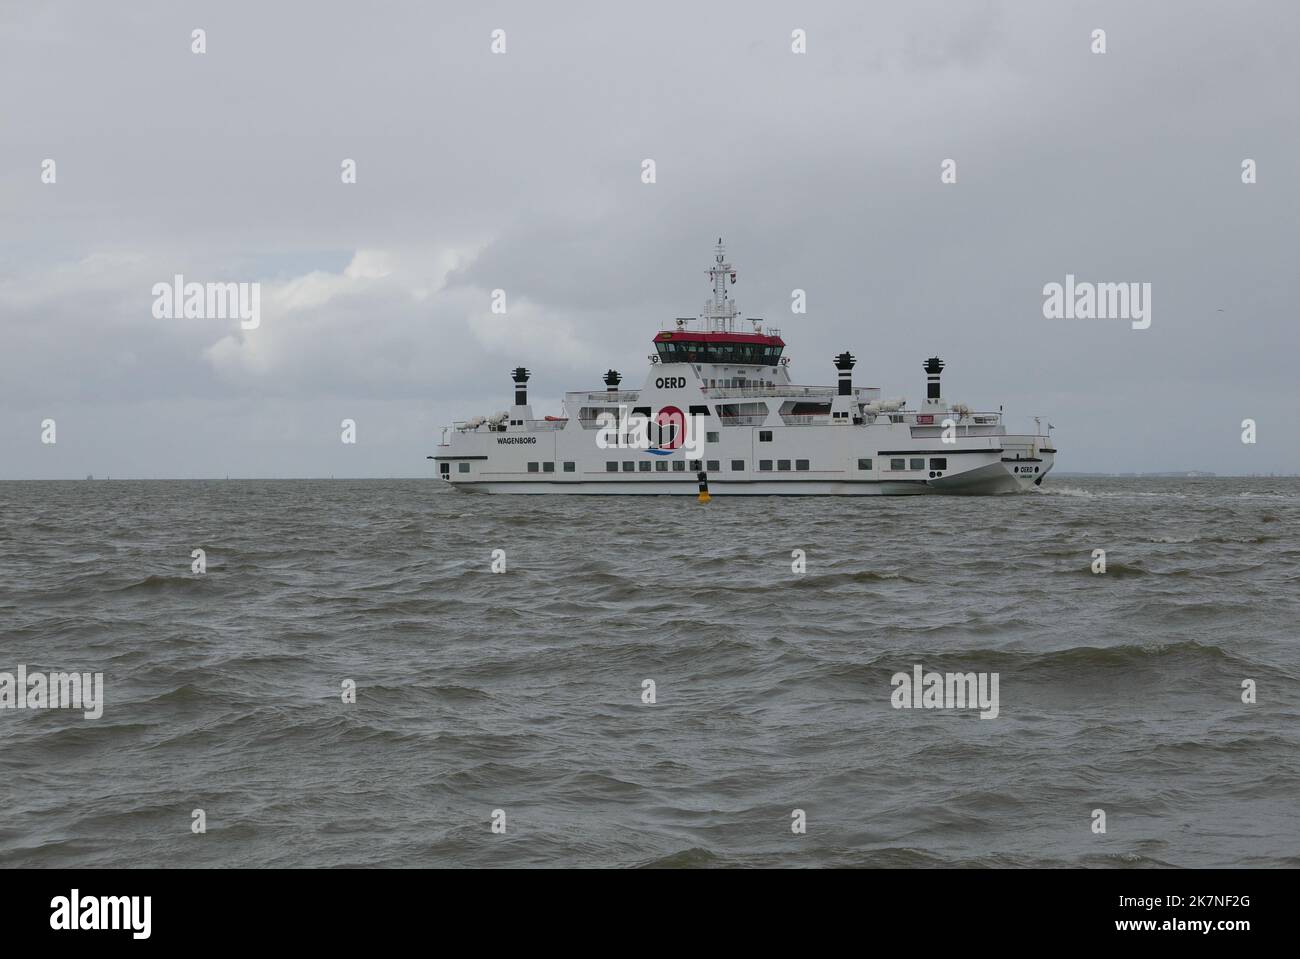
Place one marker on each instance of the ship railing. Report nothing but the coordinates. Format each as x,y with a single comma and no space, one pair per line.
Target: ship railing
696,324
742,392
907,417
863,394
972,418
597,422
545,424
982,422
603,396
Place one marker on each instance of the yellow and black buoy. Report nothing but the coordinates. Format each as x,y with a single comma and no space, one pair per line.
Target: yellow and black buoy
704,486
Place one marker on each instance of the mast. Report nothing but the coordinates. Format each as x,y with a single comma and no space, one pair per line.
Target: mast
720,312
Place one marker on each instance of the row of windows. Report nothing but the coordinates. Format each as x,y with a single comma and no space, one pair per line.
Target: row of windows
915,463
739,383
897,464
680,466
661,466
722,354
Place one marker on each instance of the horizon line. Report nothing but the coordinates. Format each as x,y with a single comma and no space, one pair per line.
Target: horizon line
1145,474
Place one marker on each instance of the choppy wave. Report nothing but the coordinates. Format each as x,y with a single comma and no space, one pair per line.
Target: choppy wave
771,629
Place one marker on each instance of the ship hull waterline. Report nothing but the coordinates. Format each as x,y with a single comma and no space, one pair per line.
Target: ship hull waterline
991,480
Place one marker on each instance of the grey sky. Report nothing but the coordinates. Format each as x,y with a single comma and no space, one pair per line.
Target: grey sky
522,172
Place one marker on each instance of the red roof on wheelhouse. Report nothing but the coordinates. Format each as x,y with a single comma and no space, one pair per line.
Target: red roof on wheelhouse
679,336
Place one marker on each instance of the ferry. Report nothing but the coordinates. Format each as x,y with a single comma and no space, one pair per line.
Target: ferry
718,411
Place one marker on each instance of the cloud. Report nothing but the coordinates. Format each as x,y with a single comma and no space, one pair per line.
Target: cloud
521,172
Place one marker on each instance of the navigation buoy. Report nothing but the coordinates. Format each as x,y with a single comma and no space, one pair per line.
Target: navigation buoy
704,486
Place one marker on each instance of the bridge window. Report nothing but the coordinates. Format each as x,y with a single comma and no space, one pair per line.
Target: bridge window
723,354
710,437
661,466
568,467
782,465
611,466
644,466
918,464
898,464
444,468
938,462
679,466
548,467
464,467
695,466
801,464
864,464
715,466
738,465
765,436
765,465
628,466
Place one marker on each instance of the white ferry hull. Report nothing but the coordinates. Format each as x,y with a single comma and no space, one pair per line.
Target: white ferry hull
991,479
684,488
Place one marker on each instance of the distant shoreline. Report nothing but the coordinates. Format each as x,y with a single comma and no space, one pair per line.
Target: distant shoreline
1168,474
1056,474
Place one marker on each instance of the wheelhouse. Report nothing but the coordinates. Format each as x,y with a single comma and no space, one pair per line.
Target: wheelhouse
722,349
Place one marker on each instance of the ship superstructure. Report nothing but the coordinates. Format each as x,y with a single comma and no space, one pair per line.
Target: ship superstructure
718,399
